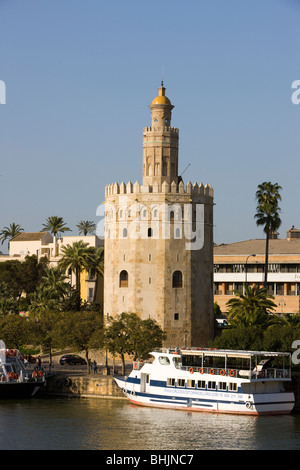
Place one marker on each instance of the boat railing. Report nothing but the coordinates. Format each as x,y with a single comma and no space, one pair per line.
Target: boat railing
241,373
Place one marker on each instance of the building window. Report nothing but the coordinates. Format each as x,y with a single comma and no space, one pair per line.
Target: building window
176,316
123,279
150,232
124,232
91,294
177,279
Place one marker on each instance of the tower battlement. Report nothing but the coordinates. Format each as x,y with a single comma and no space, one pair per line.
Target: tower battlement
169,130
136,188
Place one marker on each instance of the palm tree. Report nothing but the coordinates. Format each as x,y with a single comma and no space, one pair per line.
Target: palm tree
55,225
86,226
97,266
251,308
267,215
77,257
10,232
54,283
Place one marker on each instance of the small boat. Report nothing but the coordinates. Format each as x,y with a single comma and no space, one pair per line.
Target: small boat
211,380
15,380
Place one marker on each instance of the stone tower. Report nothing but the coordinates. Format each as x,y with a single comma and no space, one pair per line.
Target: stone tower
159,241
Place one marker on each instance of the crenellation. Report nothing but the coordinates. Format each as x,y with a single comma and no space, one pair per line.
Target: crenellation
170,130
115,188
122,188
136,187
195,188
173,188
129,187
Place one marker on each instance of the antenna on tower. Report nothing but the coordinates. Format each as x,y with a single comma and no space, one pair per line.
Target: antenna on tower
162,75
185,169
180,176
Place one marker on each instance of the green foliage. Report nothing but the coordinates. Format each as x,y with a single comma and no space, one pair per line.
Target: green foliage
86,227
251,308
267,215
55,225
128,334
82,331
10,232
77,257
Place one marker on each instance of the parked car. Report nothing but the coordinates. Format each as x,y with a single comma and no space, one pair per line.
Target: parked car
72,359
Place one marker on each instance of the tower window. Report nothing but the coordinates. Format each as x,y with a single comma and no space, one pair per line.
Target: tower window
176,316
123,278
124,232
150,232
177,279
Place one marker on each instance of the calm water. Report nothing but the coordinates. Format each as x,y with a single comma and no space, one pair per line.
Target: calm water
100,424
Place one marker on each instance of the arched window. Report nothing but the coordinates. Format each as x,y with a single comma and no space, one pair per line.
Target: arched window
124,232
123,278
177,279
150,232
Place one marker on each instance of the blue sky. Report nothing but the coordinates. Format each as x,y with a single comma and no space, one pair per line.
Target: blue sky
79,78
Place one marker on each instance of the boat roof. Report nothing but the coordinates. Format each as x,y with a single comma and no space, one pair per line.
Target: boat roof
222,352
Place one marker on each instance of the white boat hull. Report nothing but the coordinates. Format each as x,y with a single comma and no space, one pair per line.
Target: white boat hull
166,384
262,404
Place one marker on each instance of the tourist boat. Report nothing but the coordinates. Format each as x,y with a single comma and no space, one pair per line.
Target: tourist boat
211,380
15,380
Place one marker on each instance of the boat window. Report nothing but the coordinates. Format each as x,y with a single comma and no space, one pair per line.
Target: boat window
171,382
191,383
164,361
180,382
211,385
222,385
232,386
177,362
201,384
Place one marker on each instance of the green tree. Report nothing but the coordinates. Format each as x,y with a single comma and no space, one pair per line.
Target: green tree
86,227
44,331
251,308
14,331
10,232
54,282
77,257
55,225
267,215
128,334
82,331
96,266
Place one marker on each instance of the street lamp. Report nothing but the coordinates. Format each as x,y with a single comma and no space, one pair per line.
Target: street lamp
246,267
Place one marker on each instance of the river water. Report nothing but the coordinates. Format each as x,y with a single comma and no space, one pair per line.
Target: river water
110,424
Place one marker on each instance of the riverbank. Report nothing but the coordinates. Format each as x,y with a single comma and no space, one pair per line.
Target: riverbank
82,386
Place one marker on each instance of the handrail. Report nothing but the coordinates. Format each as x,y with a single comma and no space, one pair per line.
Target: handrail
241,373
